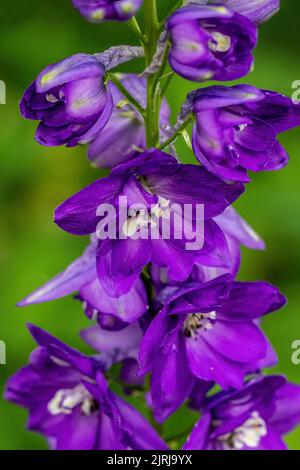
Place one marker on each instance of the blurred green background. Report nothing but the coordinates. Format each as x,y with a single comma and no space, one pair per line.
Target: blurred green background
34,180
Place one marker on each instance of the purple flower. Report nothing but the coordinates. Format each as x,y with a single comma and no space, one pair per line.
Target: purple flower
236,129
254,418
206,331
71,101
211,42
81,276
118,347
98,11
257,11
70,403
155,184
237,232
124,133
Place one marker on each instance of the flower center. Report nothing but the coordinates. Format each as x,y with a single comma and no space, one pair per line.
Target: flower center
98,14
196,322
139,219
220,42
249,434
66,400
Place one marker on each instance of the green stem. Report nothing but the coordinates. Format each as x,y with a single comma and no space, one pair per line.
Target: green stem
135,28
177,133
113,77
169,78
152,109
164,62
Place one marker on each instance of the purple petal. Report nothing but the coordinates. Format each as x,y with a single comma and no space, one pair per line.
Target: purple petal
171,381
208,364
120,262
240,342
287,414
257,11
250,300
103,340
127,308
79,273
77,215
236,227
76,67
160,329
193,184
139,433
200,434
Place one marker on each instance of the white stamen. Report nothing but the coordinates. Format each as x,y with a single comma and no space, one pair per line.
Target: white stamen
221,42
59,362
144,218
196,322
51,98
66,400
249,434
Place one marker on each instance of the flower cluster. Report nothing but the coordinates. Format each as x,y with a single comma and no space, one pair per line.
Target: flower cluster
158,277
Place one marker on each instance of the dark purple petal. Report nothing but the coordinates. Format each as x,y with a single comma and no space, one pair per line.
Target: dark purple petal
200,434
127,308
208,364
240,342
236,227
77,215
79,273
287,414
210,42
63,352
192,184
103,340
257,11
139,433
171,381
107,10
199,297
250,300
76,67
120,263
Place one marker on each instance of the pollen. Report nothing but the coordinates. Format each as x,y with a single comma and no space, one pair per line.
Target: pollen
196,322
220,43
48,77
127,7
192,46
80,103
221,10
249,434
98,14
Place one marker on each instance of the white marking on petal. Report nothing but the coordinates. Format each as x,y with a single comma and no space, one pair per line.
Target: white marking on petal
249,434
66,400
221,42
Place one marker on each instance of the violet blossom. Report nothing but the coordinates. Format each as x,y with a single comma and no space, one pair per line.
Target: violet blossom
155,180
237,127
98,11
159,274
69,401
211,42
258,11
71,101
81,277
255,418
188,339
124,134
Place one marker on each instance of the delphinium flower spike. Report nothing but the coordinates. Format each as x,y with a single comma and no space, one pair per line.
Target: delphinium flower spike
171,321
